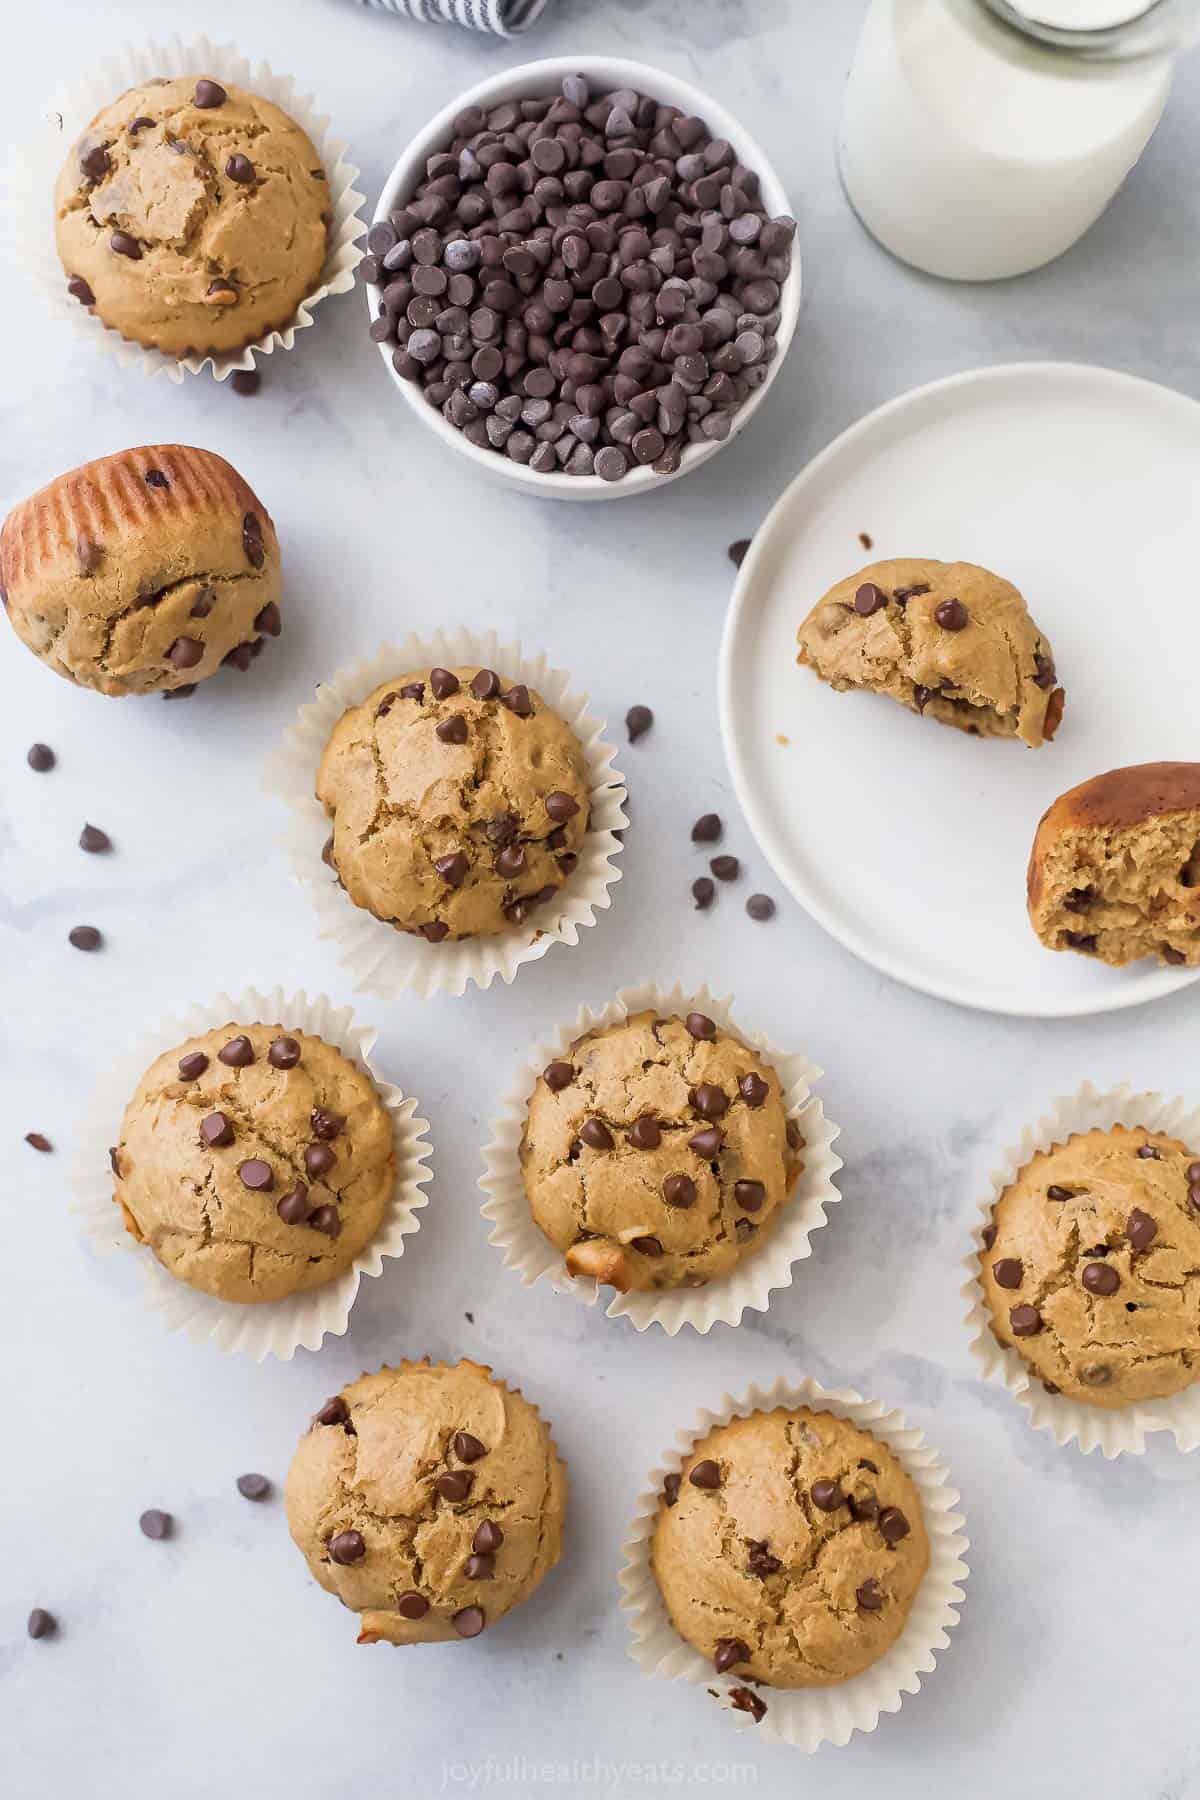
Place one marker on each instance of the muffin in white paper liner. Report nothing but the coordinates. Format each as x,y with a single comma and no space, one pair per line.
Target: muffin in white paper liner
35,168
810,1717
270,1327
387,962
525,1247
1115,1432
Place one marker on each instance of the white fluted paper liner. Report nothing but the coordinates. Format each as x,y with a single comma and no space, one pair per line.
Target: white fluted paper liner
386,962
810,1717
526,1249
270,1327
1114,1432
35,168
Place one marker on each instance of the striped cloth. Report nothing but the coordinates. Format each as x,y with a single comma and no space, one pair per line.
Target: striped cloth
502,17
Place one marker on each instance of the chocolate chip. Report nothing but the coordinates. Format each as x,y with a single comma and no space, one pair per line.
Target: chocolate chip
486,684
434,931
453,730
238,1053
1080,940
988,1235
1044,676
257,1175
469,1622
96,163
951,615
749,1195
671,1484
795,1138
156,1524
753,1089
454,1485
646,1246
252,540
710,1101
326,1124
467,1448
863,1506
1140,1229
284,1053
760,907
453,869
638,721
40,758
595,1134
705,1474
729,1652
708,1143
347,1547
679,1190
760,1562
1026,1321
517,701
443,683
193,1065
725,868
84,937
1148,1152
868,599
37,1141
412,1605
561,807
743,1699
216,1130
737,551
245,382
186,652
479,1568
869,1595
293,1208
94,841
413,690
645,1133
124,245
488,1538
269,620
707,829
1100,1278
327,1220
827,1495
208,93
703,893
41,1623
1008,1272
558,1075
1096,1374
334,1412
114,1160
253,1487
893,1525
1059,1193
701,1026
79,290
318,1159
240,169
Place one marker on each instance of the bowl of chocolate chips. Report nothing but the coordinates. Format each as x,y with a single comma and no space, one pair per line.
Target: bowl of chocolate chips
582,275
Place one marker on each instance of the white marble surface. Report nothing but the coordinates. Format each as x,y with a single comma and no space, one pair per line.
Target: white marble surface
212,1663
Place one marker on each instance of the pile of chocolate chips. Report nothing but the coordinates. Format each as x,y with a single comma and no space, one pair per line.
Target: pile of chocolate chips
583,285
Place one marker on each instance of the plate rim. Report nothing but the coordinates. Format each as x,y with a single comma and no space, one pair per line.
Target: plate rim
1156,983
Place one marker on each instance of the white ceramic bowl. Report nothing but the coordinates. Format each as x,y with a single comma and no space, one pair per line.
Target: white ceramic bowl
604,74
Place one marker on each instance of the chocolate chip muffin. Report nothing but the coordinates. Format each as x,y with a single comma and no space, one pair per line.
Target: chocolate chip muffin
255,1162
458,803
142,572
429,1499
192,217
1115,867
1089,1262
657,1153
789,1548
949,640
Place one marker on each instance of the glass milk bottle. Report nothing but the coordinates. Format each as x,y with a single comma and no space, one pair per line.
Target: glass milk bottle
981,138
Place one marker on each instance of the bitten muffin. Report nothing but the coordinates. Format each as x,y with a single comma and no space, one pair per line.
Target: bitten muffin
458,802
192,217
143,571
255,1162
950,640
657,1153
429,1499
1089,1262
1115,866
790,1548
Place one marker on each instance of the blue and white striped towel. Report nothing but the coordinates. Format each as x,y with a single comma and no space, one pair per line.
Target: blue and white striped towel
503,17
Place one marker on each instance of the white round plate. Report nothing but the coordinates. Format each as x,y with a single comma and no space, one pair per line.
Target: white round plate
906,839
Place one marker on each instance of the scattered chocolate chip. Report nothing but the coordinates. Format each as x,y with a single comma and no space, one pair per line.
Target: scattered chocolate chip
1044,676
326,1124
156,1524
334,1412
209,93
412,1605
679,1190
284,1053
760,1562
443,683
1148,1152
240,169
469,1622
558,1075
253,1487
1140,1229
749,1195
245,382
725,868
892,1525
595,1134
561,807
645,1133
486,684
744,1699
729,1652
1170,955
269,620
252,540
454,1485
1096,1374
705,1474
1026,1321
467,1448
795,1137
646,1246
703,893
710,1101
863,1506
318,1159
638,721
1080,940
488,1538
753,1089
41,1623
517,701
156,479
869,1595
347,1547
434,931
40,758
84,937
453,869
708,1143
293,1208
453,729
479,1568
671,1485
1100,1278
1008,1272
193,1065
951,615
760,907
186,652
124,245
328,1220
94,841
79,290
701,1026
868,599
707,829
257,1175
36,1141
216,1130
737,551
827,1495
1058,1193
238,1053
